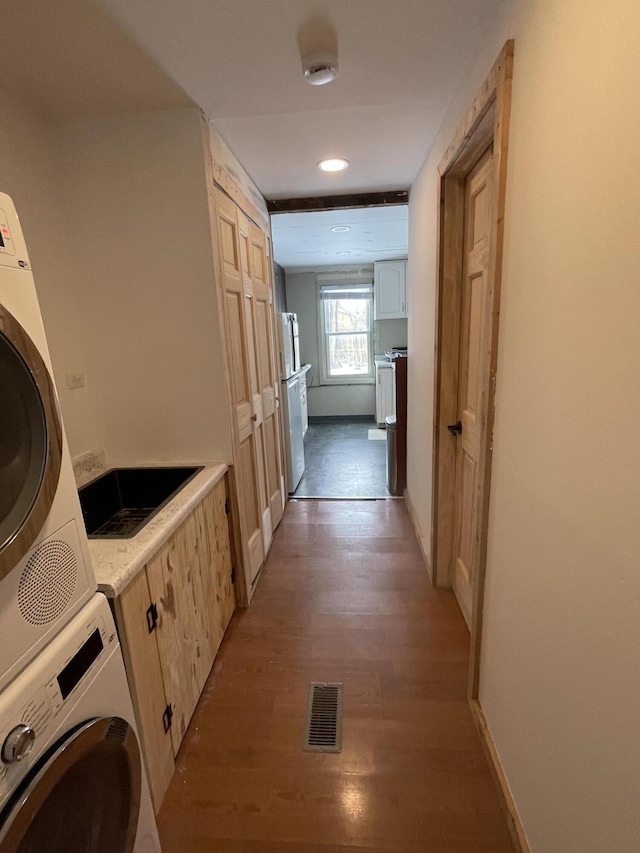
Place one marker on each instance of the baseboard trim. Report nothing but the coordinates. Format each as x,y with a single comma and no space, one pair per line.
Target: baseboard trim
418,531
506,800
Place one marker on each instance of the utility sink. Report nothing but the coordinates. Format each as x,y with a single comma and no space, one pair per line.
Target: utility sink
121,501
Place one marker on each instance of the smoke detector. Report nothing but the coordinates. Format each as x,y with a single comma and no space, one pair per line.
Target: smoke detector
320,68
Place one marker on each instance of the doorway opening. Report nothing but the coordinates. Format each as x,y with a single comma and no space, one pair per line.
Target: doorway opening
342,272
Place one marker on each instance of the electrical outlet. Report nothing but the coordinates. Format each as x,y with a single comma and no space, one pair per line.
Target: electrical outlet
75,380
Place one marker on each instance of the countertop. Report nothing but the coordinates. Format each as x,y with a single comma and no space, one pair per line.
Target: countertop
116,562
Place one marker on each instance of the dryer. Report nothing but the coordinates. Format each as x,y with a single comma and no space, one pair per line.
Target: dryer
71,775
45,569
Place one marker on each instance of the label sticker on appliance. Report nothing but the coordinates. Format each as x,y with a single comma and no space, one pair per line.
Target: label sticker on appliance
6,243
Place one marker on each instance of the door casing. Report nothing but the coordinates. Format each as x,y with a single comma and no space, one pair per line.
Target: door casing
485,123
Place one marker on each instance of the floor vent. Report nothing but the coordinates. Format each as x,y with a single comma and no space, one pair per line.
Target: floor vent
323,731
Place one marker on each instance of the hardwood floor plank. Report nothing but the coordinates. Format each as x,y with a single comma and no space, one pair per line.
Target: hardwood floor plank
344,596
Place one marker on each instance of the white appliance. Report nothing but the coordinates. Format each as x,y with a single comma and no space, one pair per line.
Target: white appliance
293,429
45,569
71,775
288,344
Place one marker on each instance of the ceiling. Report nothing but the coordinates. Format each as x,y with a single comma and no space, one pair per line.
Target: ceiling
239,60
305,240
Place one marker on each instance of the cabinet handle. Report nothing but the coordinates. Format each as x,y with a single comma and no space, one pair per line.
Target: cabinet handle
152,617
167,718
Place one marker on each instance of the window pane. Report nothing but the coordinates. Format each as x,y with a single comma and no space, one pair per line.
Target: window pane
348,355
346,315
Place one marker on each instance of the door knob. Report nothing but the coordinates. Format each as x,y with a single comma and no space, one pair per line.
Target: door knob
455,429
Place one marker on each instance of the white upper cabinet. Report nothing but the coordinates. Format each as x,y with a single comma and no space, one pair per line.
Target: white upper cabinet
390,290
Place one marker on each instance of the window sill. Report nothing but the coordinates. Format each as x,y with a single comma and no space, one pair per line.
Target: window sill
329,383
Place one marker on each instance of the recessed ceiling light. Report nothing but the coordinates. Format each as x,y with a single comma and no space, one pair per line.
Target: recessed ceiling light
340,229
343,253
334,164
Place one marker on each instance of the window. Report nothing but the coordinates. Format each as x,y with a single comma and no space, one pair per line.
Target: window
345,317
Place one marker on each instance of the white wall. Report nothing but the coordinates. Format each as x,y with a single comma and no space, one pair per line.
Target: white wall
560,653
29,174
389,333
140,245
302,299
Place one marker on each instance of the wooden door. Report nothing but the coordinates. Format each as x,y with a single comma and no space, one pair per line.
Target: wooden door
178,599
252,268
221,595
268,376
146,682
245,398
473,319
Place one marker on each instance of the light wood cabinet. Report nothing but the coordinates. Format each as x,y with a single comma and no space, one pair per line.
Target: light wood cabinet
246,290
385,393
171,620
389,290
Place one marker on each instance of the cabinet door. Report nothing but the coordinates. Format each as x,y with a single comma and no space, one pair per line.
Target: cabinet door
390,290
220,593
170,574
142,660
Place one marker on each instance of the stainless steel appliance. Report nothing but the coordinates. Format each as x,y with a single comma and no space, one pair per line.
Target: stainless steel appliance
288,344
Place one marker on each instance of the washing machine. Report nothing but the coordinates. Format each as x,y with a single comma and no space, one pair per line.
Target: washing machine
71,775
45,569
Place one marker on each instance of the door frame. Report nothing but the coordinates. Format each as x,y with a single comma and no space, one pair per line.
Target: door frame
485,123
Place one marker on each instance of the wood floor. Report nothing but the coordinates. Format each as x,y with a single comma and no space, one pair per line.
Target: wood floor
344,596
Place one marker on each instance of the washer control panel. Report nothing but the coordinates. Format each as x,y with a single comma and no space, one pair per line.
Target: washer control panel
37,702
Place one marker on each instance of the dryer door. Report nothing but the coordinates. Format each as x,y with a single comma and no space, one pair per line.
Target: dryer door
30,442
83,797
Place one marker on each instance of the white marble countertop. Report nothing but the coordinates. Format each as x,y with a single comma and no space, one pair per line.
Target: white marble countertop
116,562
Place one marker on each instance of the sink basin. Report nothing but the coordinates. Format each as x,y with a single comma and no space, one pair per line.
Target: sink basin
121,501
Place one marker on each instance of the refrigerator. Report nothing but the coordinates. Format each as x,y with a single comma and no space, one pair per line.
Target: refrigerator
292,380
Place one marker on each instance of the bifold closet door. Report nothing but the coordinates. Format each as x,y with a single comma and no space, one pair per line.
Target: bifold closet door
246,405
266,363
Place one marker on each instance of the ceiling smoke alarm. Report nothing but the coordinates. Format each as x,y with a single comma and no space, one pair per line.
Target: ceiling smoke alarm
320,68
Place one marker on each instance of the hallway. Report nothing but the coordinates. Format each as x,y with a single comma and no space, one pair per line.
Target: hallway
344,596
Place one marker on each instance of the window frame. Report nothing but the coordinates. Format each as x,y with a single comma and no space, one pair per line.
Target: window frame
323,335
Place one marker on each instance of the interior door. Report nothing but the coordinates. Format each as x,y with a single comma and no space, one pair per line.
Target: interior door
239,324
268,378
473,321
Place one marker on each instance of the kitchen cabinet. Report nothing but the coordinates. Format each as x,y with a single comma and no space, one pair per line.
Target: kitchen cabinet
385,391
389,290
171,620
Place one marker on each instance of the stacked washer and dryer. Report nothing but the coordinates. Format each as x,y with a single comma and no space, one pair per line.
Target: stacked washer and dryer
71,775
